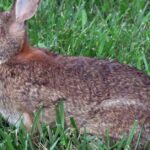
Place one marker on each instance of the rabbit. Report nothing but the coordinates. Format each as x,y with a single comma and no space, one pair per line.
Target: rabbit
99,94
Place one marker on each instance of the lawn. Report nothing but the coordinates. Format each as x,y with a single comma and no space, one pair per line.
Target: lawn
106,29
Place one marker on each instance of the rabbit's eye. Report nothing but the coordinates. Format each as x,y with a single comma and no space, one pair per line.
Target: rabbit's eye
7,14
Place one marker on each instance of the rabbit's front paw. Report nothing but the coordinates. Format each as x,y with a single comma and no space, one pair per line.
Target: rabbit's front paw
27,120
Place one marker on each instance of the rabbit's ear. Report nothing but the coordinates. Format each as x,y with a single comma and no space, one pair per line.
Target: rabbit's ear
25,9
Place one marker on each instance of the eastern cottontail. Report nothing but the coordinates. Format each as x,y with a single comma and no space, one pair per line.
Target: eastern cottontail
99,94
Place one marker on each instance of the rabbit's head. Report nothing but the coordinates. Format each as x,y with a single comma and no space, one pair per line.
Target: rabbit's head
12,27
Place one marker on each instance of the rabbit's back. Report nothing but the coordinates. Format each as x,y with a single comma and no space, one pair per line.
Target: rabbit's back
98,94
83,78
89,79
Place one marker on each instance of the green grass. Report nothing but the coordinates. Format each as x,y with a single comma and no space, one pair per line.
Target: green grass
111,29
60,138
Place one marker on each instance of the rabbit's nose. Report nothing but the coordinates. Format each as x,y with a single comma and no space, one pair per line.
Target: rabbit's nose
2,31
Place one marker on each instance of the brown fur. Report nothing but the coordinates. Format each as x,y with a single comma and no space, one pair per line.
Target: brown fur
99,94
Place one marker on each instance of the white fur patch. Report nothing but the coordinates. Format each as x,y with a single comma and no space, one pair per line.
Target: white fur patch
122,102
2,62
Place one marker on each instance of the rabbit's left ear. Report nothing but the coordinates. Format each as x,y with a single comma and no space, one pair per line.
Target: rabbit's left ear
25,9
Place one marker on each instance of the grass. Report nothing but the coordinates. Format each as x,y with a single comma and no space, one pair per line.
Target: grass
111,29
58,137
